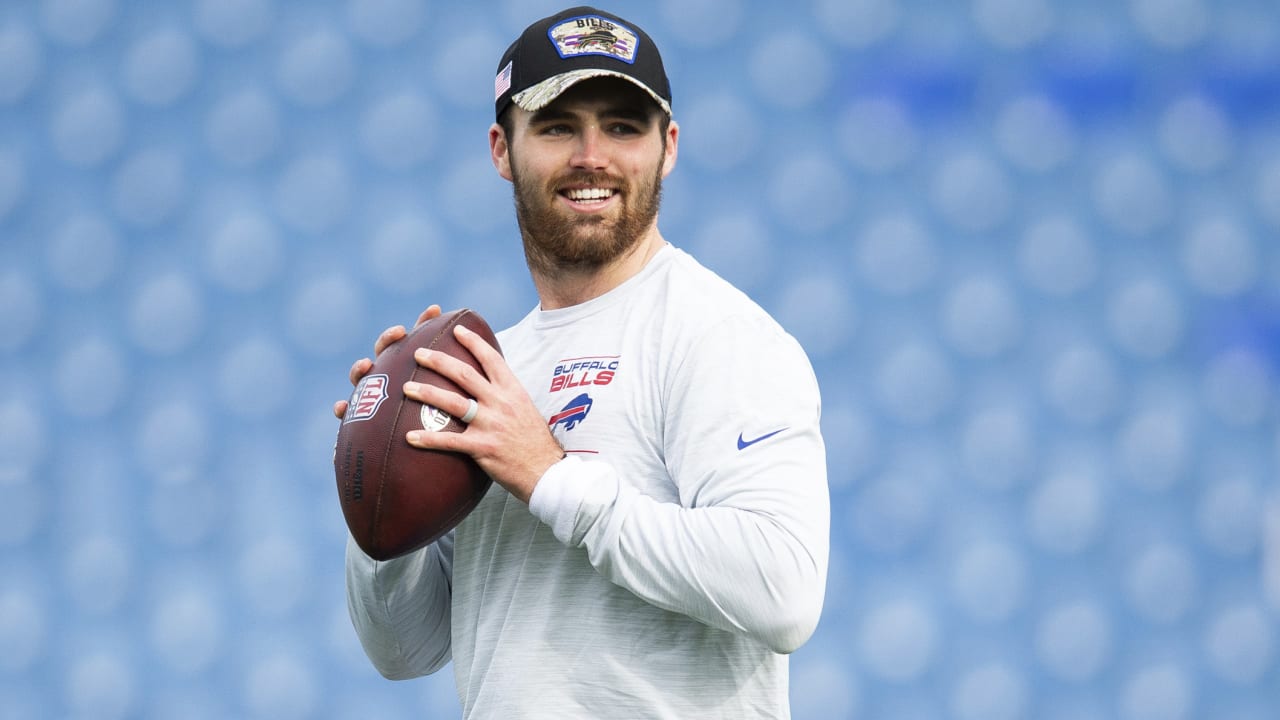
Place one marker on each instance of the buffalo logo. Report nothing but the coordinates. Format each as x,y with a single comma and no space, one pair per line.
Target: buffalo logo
572,414
593,35
598,41
367,398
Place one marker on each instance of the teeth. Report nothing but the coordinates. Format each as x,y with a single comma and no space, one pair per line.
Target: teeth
590,194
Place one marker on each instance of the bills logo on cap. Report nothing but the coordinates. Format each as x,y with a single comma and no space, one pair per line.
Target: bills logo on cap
594,35
367,398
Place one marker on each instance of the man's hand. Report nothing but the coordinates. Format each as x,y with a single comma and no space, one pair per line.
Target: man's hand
508,437
393,334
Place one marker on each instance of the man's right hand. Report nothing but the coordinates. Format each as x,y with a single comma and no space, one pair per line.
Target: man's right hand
393,334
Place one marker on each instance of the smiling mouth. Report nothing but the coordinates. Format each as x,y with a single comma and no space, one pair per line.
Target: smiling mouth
587,196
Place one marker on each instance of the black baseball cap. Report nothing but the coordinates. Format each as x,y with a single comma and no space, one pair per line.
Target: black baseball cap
556,52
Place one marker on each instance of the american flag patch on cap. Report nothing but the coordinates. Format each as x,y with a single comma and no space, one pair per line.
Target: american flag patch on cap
502,83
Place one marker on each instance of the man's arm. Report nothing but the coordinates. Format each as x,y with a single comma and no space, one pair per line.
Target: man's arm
746,549
745,568
401,608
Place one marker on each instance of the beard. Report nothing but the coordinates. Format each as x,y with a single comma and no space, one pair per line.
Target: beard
556,243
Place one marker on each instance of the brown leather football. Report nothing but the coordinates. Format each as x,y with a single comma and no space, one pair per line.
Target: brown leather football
397,498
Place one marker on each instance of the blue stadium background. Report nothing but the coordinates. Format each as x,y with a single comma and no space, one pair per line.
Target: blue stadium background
1030,245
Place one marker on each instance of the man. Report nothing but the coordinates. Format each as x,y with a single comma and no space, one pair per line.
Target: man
655,542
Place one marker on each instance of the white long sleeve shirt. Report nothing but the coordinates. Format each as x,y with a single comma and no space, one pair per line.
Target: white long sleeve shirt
668,565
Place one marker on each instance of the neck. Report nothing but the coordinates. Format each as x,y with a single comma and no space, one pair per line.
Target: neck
564,288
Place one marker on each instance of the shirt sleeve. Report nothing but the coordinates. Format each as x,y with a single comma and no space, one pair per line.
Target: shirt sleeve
746,547
401,608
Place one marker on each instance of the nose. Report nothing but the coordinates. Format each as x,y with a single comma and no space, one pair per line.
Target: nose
590,153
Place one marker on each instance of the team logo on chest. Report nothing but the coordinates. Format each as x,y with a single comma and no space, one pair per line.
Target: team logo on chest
572,414
584,372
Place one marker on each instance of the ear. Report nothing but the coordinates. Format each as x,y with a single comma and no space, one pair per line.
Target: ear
673,148
500,151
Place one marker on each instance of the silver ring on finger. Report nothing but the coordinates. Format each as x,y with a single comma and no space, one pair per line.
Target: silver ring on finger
473,407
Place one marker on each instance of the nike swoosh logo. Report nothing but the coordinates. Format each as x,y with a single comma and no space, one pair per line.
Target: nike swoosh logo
744,444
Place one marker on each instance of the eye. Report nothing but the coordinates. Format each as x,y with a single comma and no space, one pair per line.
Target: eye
555,130
623,130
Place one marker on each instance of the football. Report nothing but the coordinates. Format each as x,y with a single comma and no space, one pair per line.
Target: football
397,498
